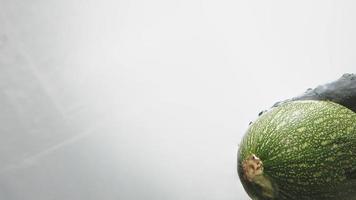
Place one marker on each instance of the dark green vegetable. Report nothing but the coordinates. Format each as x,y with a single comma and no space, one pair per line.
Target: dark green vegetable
341,91
303,148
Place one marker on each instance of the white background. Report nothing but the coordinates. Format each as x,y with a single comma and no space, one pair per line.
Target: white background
136,99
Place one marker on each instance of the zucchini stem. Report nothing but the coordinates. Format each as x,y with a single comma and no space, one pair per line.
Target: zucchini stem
252,167
253,172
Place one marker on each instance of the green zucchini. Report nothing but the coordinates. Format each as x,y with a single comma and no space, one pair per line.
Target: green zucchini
341,91
303,148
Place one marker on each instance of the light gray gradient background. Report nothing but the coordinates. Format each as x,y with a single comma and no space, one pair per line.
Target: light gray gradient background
130,100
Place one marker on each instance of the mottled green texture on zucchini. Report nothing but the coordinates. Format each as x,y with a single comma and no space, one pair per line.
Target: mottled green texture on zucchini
307,150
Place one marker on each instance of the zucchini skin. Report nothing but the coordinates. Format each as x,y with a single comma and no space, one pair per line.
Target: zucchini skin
341,91
308,151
